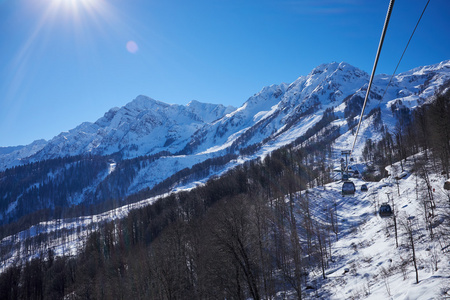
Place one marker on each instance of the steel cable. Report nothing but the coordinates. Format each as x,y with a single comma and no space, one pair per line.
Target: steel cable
406,47
380,45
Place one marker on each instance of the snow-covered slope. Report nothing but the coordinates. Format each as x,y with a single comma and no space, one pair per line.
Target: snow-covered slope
143,126
278,107
183,136
366,262
19,155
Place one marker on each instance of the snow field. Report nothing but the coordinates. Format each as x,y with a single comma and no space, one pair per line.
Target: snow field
366,262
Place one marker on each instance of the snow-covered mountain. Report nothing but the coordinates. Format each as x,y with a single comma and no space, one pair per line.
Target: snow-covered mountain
146,126
275,109
180,137
143,126
14,156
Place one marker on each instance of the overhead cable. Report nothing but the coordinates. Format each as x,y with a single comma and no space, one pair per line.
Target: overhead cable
380,45
392,76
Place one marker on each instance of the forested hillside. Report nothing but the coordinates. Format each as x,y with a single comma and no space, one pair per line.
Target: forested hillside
271,228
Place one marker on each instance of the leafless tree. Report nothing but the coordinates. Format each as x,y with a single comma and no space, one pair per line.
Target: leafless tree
408,225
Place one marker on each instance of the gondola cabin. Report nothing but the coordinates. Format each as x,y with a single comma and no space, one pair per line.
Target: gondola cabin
356,174
447,185
348,188
364,188
385,210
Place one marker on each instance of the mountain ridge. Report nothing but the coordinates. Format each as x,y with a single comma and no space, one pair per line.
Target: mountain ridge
151,141
325,85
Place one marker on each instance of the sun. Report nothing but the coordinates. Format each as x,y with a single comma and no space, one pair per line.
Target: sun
76,7
79,20
74,3
81,16
77,10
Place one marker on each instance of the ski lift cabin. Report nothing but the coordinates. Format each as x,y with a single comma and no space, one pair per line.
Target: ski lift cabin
447,185
348,188
364,188
385,210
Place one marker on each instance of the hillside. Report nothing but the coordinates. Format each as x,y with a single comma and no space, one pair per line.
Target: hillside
364,260
347,250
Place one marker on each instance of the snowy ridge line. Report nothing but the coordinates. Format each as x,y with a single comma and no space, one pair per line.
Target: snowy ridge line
176,128
274,116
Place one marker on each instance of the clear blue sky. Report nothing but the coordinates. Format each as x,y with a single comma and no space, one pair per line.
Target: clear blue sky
64,62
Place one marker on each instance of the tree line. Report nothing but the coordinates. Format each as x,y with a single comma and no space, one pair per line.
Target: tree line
425,129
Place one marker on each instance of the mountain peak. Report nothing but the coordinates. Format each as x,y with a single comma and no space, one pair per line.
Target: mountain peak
333,67
209,112
144,102
324,68
194,103
424,69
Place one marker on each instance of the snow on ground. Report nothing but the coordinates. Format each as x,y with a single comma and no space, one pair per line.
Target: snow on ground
112,167
162,168
366,262
68,244
216,148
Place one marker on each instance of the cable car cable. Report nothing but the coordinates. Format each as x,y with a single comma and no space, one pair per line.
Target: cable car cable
407,44
380,45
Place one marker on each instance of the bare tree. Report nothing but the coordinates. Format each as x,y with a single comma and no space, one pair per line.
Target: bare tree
234,235
407,224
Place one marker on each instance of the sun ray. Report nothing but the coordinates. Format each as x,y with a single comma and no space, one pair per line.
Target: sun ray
82,17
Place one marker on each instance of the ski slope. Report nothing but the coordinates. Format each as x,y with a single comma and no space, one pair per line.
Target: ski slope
366,264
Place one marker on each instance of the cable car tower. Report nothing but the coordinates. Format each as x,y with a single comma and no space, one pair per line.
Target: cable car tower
348,187
344,169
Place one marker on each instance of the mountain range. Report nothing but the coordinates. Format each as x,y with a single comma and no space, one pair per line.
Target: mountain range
152,140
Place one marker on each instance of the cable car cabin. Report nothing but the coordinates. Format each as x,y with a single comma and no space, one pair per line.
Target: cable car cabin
345,176
364,188
356,174
385,210
348,188
447,185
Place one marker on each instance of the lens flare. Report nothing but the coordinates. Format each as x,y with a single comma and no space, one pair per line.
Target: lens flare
132,47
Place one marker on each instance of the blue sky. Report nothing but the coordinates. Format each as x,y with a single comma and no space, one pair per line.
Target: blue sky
64,62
